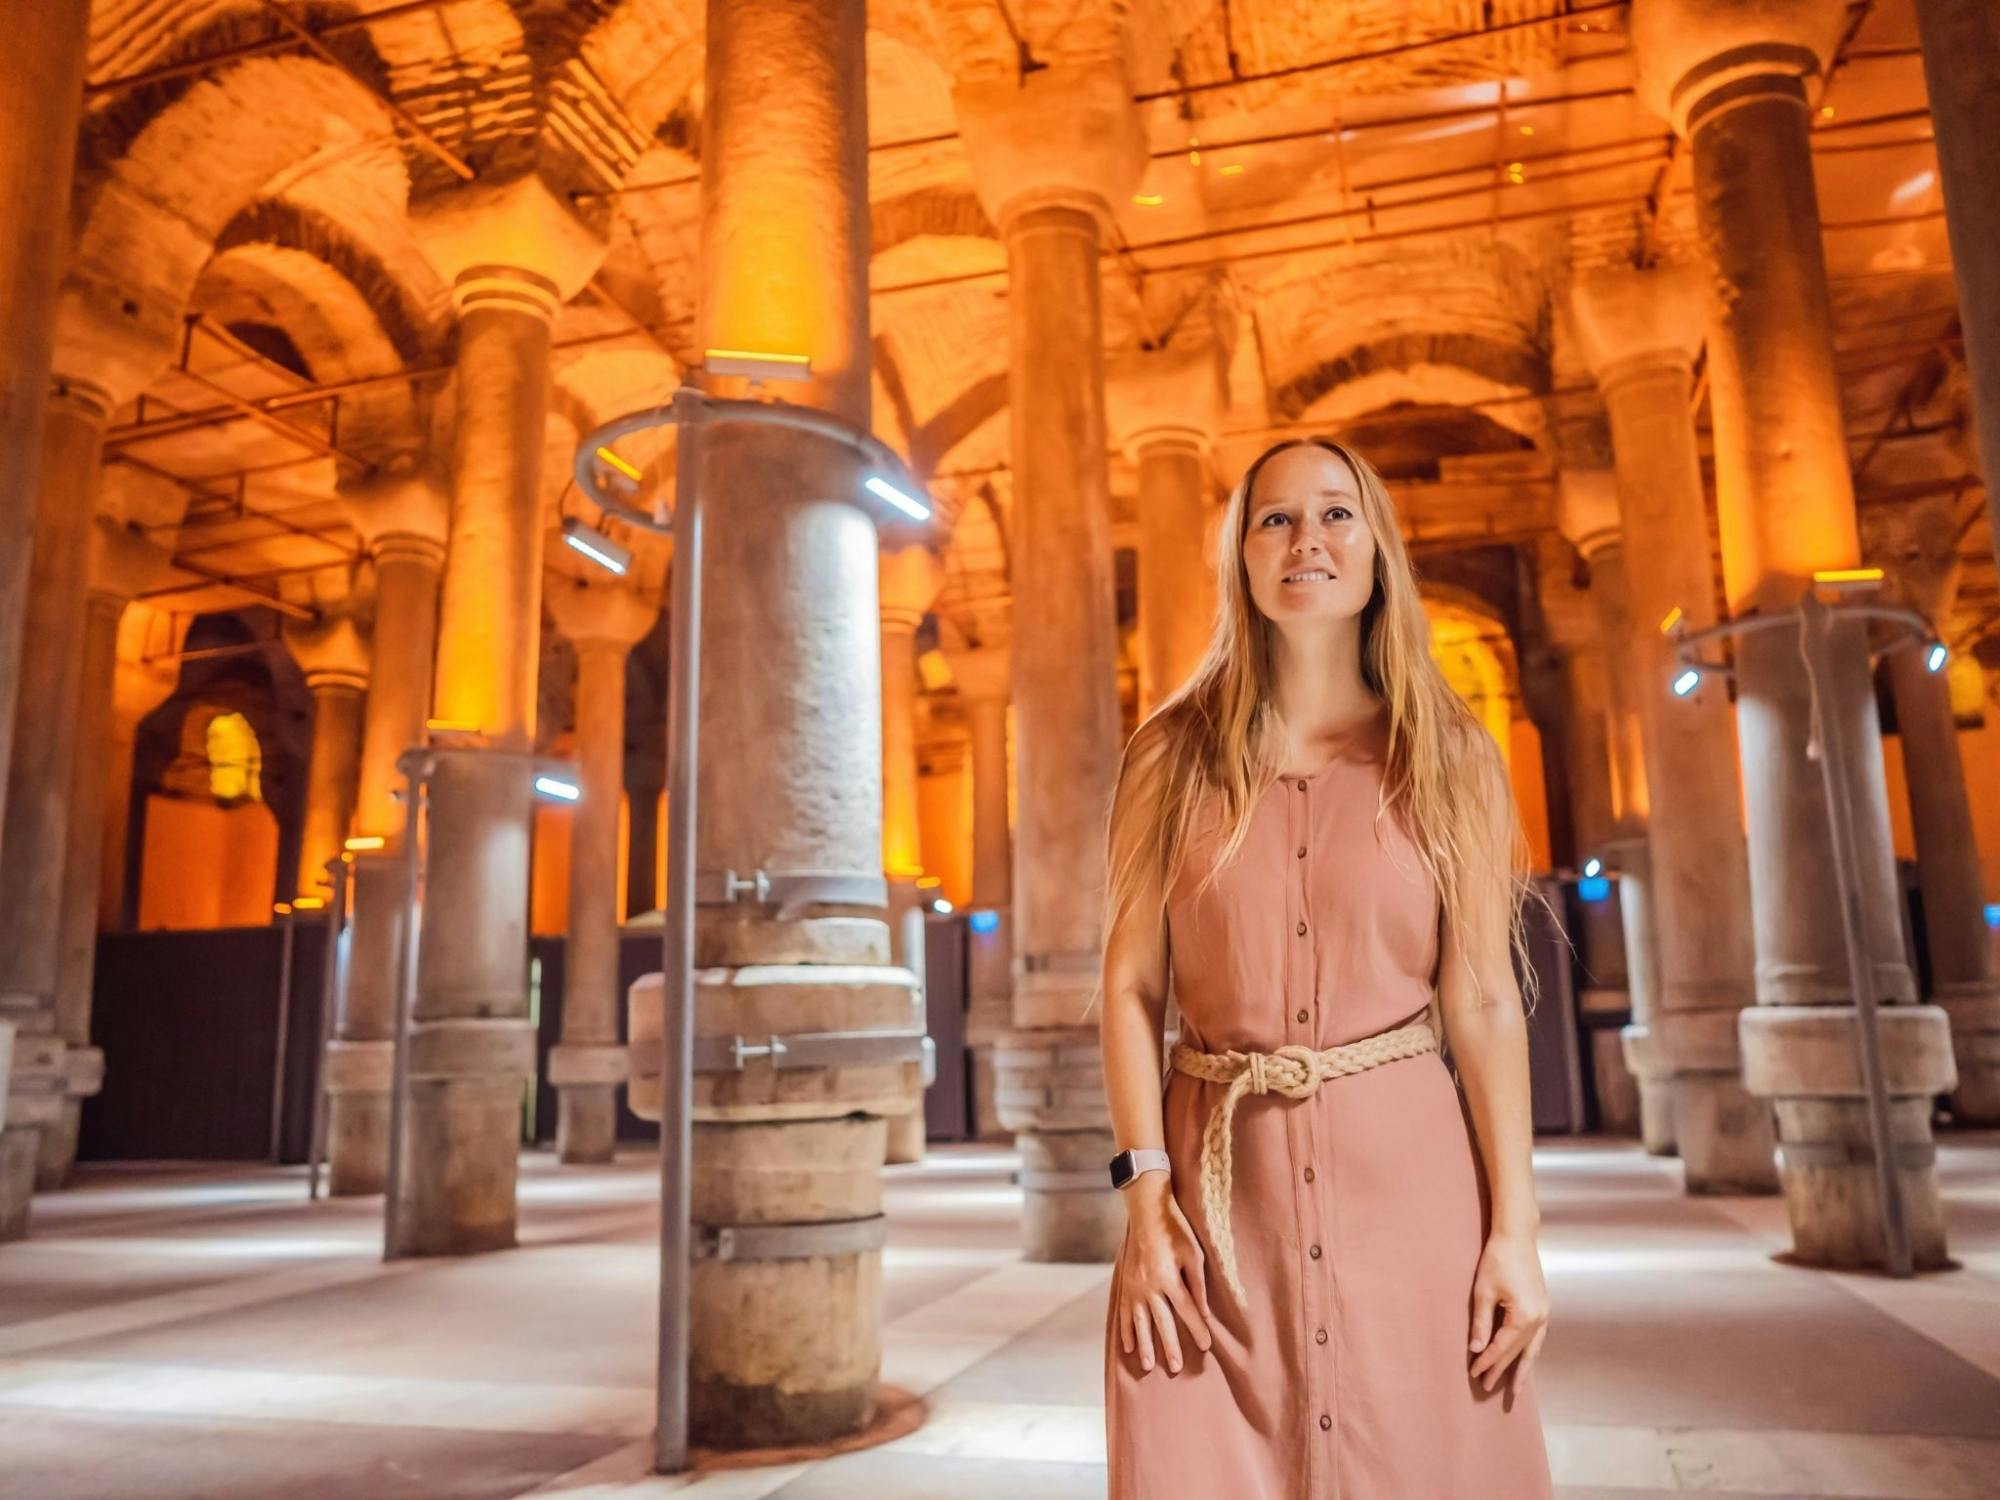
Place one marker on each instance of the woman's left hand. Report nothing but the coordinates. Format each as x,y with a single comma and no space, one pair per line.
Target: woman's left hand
1510,1277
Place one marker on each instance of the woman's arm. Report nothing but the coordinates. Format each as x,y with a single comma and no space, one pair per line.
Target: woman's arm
1480,1003
1163,1273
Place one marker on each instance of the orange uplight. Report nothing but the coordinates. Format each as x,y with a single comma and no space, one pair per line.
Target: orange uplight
1148,200
1847,575
1673,618
930,880
612,460
307,903
1234,169
282,908
365,841
451,726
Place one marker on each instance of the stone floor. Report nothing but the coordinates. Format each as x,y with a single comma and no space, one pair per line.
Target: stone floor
172,1332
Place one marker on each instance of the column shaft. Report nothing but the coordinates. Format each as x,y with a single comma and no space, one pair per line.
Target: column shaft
331,776
1176,578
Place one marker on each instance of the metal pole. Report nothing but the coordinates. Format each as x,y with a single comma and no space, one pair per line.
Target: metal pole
332,1000
284,1029
1816,628
416,766
670,1436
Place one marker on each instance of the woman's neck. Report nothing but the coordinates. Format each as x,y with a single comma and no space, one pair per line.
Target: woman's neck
1318,689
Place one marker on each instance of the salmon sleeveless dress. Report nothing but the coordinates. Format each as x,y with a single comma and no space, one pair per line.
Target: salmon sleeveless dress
1359,1213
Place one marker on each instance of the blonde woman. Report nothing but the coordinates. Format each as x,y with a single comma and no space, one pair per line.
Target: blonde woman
1329,1284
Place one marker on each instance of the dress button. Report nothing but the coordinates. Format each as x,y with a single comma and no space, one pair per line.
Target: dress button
1309,1174
1319,1336
1302,851
1325,1422
1304,1016
1302,785
1302,929
1314,1252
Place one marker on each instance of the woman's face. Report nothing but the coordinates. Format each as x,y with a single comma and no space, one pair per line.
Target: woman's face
1307,550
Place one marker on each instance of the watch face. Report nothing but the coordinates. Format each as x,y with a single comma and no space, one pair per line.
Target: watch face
1121,1169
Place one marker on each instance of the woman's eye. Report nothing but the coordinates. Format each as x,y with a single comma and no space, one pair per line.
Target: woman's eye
1338,512
1276,515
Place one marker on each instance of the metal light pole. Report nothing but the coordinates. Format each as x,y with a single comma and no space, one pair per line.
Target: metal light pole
690,410
332,1000
1814,621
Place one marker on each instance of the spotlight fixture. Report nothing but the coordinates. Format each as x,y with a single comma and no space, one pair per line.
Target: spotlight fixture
557,788
879,487
1687,682
757,365
596,546
618,465
1849,579
1593,867
1935,656
363,842
986,919
941,905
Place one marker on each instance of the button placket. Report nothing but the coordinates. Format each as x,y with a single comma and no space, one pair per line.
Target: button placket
1300,983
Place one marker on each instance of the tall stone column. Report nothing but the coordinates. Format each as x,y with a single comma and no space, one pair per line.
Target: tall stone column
1918,541
983,679
41,96
36,828
909,578
1961,46
1730,78
603,622
333,655
1163,407
1640,331
1050,153
402,519
785,1333
120,563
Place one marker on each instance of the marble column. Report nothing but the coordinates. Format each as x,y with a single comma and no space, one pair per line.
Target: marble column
1050,152
41,96
35,834
603,622
1640,331
984,682
1918,542
120,563
785,1342
333,655
402,518
909,577
1731,80
1961,49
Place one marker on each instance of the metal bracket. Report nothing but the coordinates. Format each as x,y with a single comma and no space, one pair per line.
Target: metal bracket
789,1241
1063,960
1910,1155
792,890
809,1049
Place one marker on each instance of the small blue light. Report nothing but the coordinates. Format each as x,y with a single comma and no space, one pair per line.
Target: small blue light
987,920
1993,914
1594,888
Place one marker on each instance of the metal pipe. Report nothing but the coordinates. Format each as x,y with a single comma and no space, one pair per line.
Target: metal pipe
291,917
332,1000
670,1434
415,765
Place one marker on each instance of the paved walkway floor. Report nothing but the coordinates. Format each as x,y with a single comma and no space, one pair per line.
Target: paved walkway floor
176,1332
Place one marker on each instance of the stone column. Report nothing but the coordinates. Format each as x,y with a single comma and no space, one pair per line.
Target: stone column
1731,80
36,827
1640,331
120,563
1961,46
1050,153
909,578
603,622
1918,541
1163,407
41,95
402,519
785,1334
333,655
982,677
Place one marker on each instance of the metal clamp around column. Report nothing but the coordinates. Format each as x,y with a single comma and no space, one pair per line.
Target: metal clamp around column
789,1241
1063,961
1910,1155
793,890
809,1049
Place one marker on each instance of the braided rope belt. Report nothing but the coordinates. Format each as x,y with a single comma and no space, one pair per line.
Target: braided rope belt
1294,1072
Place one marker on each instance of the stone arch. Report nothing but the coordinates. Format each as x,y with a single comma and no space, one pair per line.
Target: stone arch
1428,368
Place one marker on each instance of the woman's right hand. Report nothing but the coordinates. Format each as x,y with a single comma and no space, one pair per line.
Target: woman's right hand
1163,1276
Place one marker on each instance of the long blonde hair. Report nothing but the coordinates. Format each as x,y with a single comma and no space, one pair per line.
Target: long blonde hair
1442,774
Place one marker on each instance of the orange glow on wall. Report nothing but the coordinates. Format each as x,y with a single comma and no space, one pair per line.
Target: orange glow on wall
548,879
235,759
204,865
945,812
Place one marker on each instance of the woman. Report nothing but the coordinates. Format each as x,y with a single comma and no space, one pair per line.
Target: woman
1329,1284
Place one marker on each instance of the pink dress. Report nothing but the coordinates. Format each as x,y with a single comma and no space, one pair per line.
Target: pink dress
1359,1213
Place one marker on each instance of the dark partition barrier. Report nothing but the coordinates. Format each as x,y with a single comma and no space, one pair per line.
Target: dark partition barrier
948,1103
189,1025
638,953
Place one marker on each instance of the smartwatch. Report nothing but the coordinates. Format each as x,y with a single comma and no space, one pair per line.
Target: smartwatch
1127,1165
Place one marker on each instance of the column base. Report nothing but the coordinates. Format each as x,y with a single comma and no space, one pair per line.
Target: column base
19,1146
55,1156
1804,1059
1050,1091
1974,1012
907,1139
1648,1066
785,1281
463,1136
586,1077
1617,1089
1723,1135
358,1076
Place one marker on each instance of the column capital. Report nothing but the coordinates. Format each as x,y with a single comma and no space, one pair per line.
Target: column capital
1699,55
909,580
1627,319
612,615
100,354
982,674
1066,136
1165,396
1587,509
406,511
122,564
515,243
331,651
